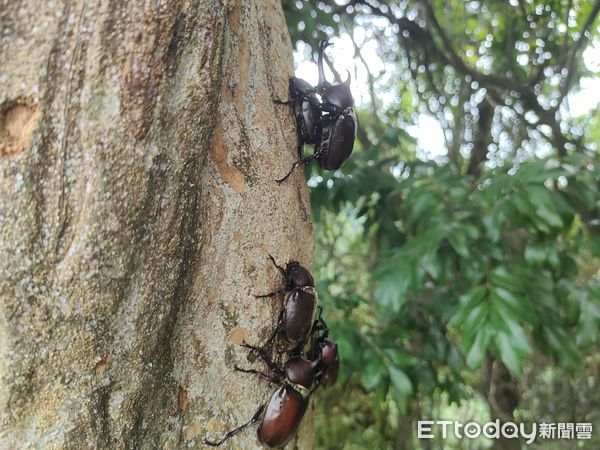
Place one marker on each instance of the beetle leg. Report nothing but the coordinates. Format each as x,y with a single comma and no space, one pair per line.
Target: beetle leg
283,102
281,269
299,148
230,434
319,324
265,357
275,331
297,164
258,373
259,350
320,313
272,294
300,137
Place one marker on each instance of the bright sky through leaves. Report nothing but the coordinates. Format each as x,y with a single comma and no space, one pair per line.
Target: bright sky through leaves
427,131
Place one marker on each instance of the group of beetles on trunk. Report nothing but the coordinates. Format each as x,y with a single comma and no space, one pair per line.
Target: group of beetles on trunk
325,118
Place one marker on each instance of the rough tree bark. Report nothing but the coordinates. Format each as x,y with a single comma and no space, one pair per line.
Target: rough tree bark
138,150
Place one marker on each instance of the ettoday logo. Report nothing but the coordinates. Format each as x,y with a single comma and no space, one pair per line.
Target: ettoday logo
427,429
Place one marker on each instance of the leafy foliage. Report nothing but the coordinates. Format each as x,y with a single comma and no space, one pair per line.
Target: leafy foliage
430,271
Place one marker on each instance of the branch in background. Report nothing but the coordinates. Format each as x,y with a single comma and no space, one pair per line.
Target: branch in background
482,138
447,55
572,64
363,138
440,115
413,38
335,73
565,47
370,81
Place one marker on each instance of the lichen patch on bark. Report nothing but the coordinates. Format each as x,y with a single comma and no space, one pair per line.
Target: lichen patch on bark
238,336
219,152
18,119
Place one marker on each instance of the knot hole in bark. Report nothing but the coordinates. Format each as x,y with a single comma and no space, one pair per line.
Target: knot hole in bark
18,119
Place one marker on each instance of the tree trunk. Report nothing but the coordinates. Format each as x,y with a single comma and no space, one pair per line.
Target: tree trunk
139,145
503,397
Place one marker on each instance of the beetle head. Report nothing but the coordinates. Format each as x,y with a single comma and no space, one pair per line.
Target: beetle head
298,276
300,370
329,351
299,87
338,95
330,360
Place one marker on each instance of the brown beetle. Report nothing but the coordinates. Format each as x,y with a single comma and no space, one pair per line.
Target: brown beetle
280,419
299,304
325,351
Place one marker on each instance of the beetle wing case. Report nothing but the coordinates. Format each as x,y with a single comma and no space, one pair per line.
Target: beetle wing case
299,314
282,417
337,141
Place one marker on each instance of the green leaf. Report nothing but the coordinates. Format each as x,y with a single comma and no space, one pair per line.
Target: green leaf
507,299
400,358
390,290
589,320
518,338
594,241
459,240
508,353
535,254
432,265
563,347
493,222
541,199
400,381
473,321
420,203
504,321
467,302
371,374
501,276
478,348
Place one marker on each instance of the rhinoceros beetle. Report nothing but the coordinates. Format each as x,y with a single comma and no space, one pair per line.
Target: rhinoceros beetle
280,418
307,110
329,124
326,352
296,319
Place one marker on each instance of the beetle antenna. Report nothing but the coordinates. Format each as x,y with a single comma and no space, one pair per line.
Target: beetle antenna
237,430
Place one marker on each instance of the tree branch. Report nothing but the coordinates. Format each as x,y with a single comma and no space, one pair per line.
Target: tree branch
572,64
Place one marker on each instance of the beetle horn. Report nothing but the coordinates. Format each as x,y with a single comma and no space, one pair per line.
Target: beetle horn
347,82
322,46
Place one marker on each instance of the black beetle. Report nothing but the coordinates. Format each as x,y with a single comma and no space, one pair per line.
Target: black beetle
307,110
330,124
296,319
326,352
280,419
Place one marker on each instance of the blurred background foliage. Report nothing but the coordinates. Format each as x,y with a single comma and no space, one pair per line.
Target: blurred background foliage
462,283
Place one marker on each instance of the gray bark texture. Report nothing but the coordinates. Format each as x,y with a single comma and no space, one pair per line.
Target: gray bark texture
139,145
